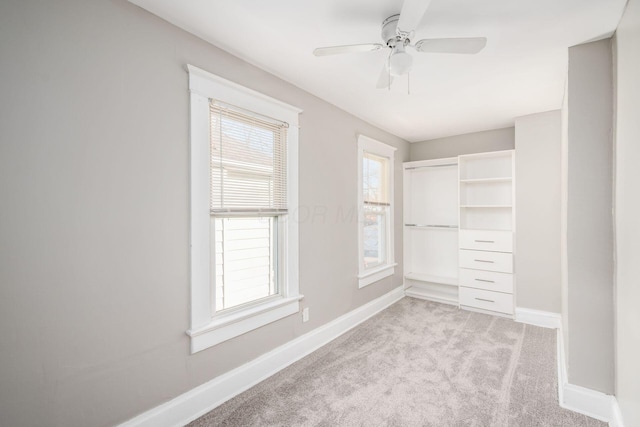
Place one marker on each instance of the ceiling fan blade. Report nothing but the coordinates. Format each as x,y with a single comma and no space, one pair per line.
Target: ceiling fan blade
470,45
385,79
352,48
411,14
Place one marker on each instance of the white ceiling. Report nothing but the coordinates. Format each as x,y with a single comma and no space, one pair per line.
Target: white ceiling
521,71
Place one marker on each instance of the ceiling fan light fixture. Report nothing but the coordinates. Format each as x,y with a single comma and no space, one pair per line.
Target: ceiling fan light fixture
400,63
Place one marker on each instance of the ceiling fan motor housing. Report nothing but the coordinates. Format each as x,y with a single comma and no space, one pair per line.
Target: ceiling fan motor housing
389,30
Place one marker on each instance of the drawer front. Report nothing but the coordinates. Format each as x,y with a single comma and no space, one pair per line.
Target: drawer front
489,280
487,240
491,261
486,300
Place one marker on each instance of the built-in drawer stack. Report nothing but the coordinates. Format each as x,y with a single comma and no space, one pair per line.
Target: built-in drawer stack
486,270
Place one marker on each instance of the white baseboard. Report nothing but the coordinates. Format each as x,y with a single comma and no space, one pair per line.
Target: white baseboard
202,399
545,319
594,404
616,416
589,402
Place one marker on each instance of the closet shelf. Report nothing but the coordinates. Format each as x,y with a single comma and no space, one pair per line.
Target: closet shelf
485,229
442,280
431,295
446,227
486,206
487,180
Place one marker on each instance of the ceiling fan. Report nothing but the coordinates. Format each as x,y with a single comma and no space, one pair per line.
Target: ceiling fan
397,33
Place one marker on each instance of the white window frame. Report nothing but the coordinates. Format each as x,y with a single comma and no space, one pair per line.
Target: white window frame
207,327
367,277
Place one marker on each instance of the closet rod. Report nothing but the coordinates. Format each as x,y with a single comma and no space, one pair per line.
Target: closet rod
431,225
432,166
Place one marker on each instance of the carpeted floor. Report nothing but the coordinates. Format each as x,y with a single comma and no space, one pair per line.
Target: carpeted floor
417,363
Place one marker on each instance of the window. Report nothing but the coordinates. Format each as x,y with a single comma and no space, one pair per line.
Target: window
248,202
375,191
244,242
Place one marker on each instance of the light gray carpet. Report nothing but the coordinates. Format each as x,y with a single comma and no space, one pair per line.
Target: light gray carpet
417,363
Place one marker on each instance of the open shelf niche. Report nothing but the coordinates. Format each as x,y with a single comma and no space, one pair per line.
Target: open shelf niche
486,191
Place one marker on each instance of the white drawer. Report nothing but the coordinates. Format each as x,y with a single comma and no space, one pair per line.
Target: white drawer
489,280
487,240
491,261
486,300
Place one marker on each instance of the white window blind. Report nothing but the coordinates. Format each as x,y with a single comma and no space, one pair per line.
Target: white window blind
248,162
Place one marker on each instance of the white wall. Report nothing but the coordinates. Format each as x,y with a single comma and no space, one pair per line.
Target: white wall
94,223
589,217
627,208
537,252
469,143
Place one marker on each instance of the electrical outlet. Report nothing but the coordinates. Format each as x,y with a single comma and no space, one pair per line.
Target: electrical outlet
305,314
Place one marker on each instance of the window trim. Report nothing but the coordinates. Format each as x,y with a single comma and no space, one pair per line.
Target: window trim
367,277
206,328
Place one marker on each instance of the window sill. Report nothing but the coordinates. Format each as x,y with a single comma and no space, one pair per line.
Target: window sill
229,326
372,276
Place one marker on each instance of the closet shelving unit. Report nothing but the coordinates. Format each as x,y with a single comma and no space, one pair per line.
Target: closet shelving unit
487,226
431,229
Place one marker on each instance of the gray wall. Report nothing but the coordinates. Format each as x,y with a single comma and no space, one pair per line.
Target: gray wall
627,179
564,189
537,253
589,217
478,142
94,229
